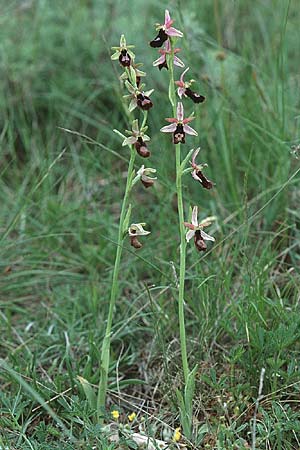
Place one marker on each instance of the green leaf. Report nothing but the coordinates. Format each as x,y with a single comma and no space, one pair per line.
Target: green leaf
89,392
127,219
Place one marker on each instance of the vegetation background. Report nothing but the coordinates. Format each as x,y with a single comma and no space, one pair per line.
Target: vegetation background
60,200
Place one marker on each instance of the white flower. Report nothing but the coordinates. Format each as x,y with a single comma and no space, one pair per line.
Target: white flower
196,230
136,229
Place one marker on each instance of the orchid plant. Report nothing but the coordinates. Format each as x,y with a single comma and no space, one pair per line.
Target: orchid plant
136,140
179,127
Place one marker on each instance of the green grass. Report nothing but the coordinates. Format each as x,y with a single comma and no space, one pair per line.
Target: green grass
60,201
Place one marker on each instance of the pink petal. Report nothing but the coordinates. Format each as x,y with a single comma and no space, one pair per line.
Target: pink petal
206,236
171,31
195,154
167,17
180,91
195,176
178,62
189,225
168,46
189,235
188,119
171,120
180,112
195,216
169,128
183,73
160,60
189,130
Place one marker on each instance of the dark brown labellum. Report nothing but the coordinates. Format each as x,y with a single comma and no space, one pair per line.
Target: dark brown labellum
138,80
162,65
179,134
144,102
206,183
199,241
197,98
124,58
135,242
160,39
141,148
147,182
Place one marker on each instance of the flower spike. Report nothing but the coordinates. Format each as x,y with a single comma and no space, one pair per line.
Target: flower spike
196,230
164,31
179,126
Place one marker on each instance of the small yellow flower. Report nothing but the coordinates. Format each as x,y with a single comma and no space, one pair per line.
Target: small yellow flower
115,414
132,416
177,435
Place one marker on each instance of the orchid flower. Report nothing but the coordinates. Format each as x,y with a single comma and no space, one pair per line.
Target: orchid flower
136,229
144,173
197,173
164,31
138,138
123,53
196,230
179,126
138,97
162,60
184,89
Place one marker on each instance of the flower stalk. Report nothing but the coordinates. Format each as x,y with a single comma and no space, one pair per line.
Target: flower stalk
137,145
179,127
181,317
105,351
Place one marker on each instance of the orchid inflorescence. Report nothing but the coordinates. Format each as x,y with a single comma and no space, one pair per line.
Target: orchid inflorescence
179,125
136,138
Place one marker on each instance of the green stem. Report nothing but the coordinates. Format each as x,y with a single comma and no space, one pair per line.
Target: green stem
172,97
105,352
182,265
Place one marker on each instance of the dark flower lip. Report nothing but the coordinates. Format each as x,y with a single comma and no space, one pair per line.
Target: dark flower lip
147,183
141,148
159,39
197,98
163,65
179,134
135,242
124,58
206,183
199,241
144,102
